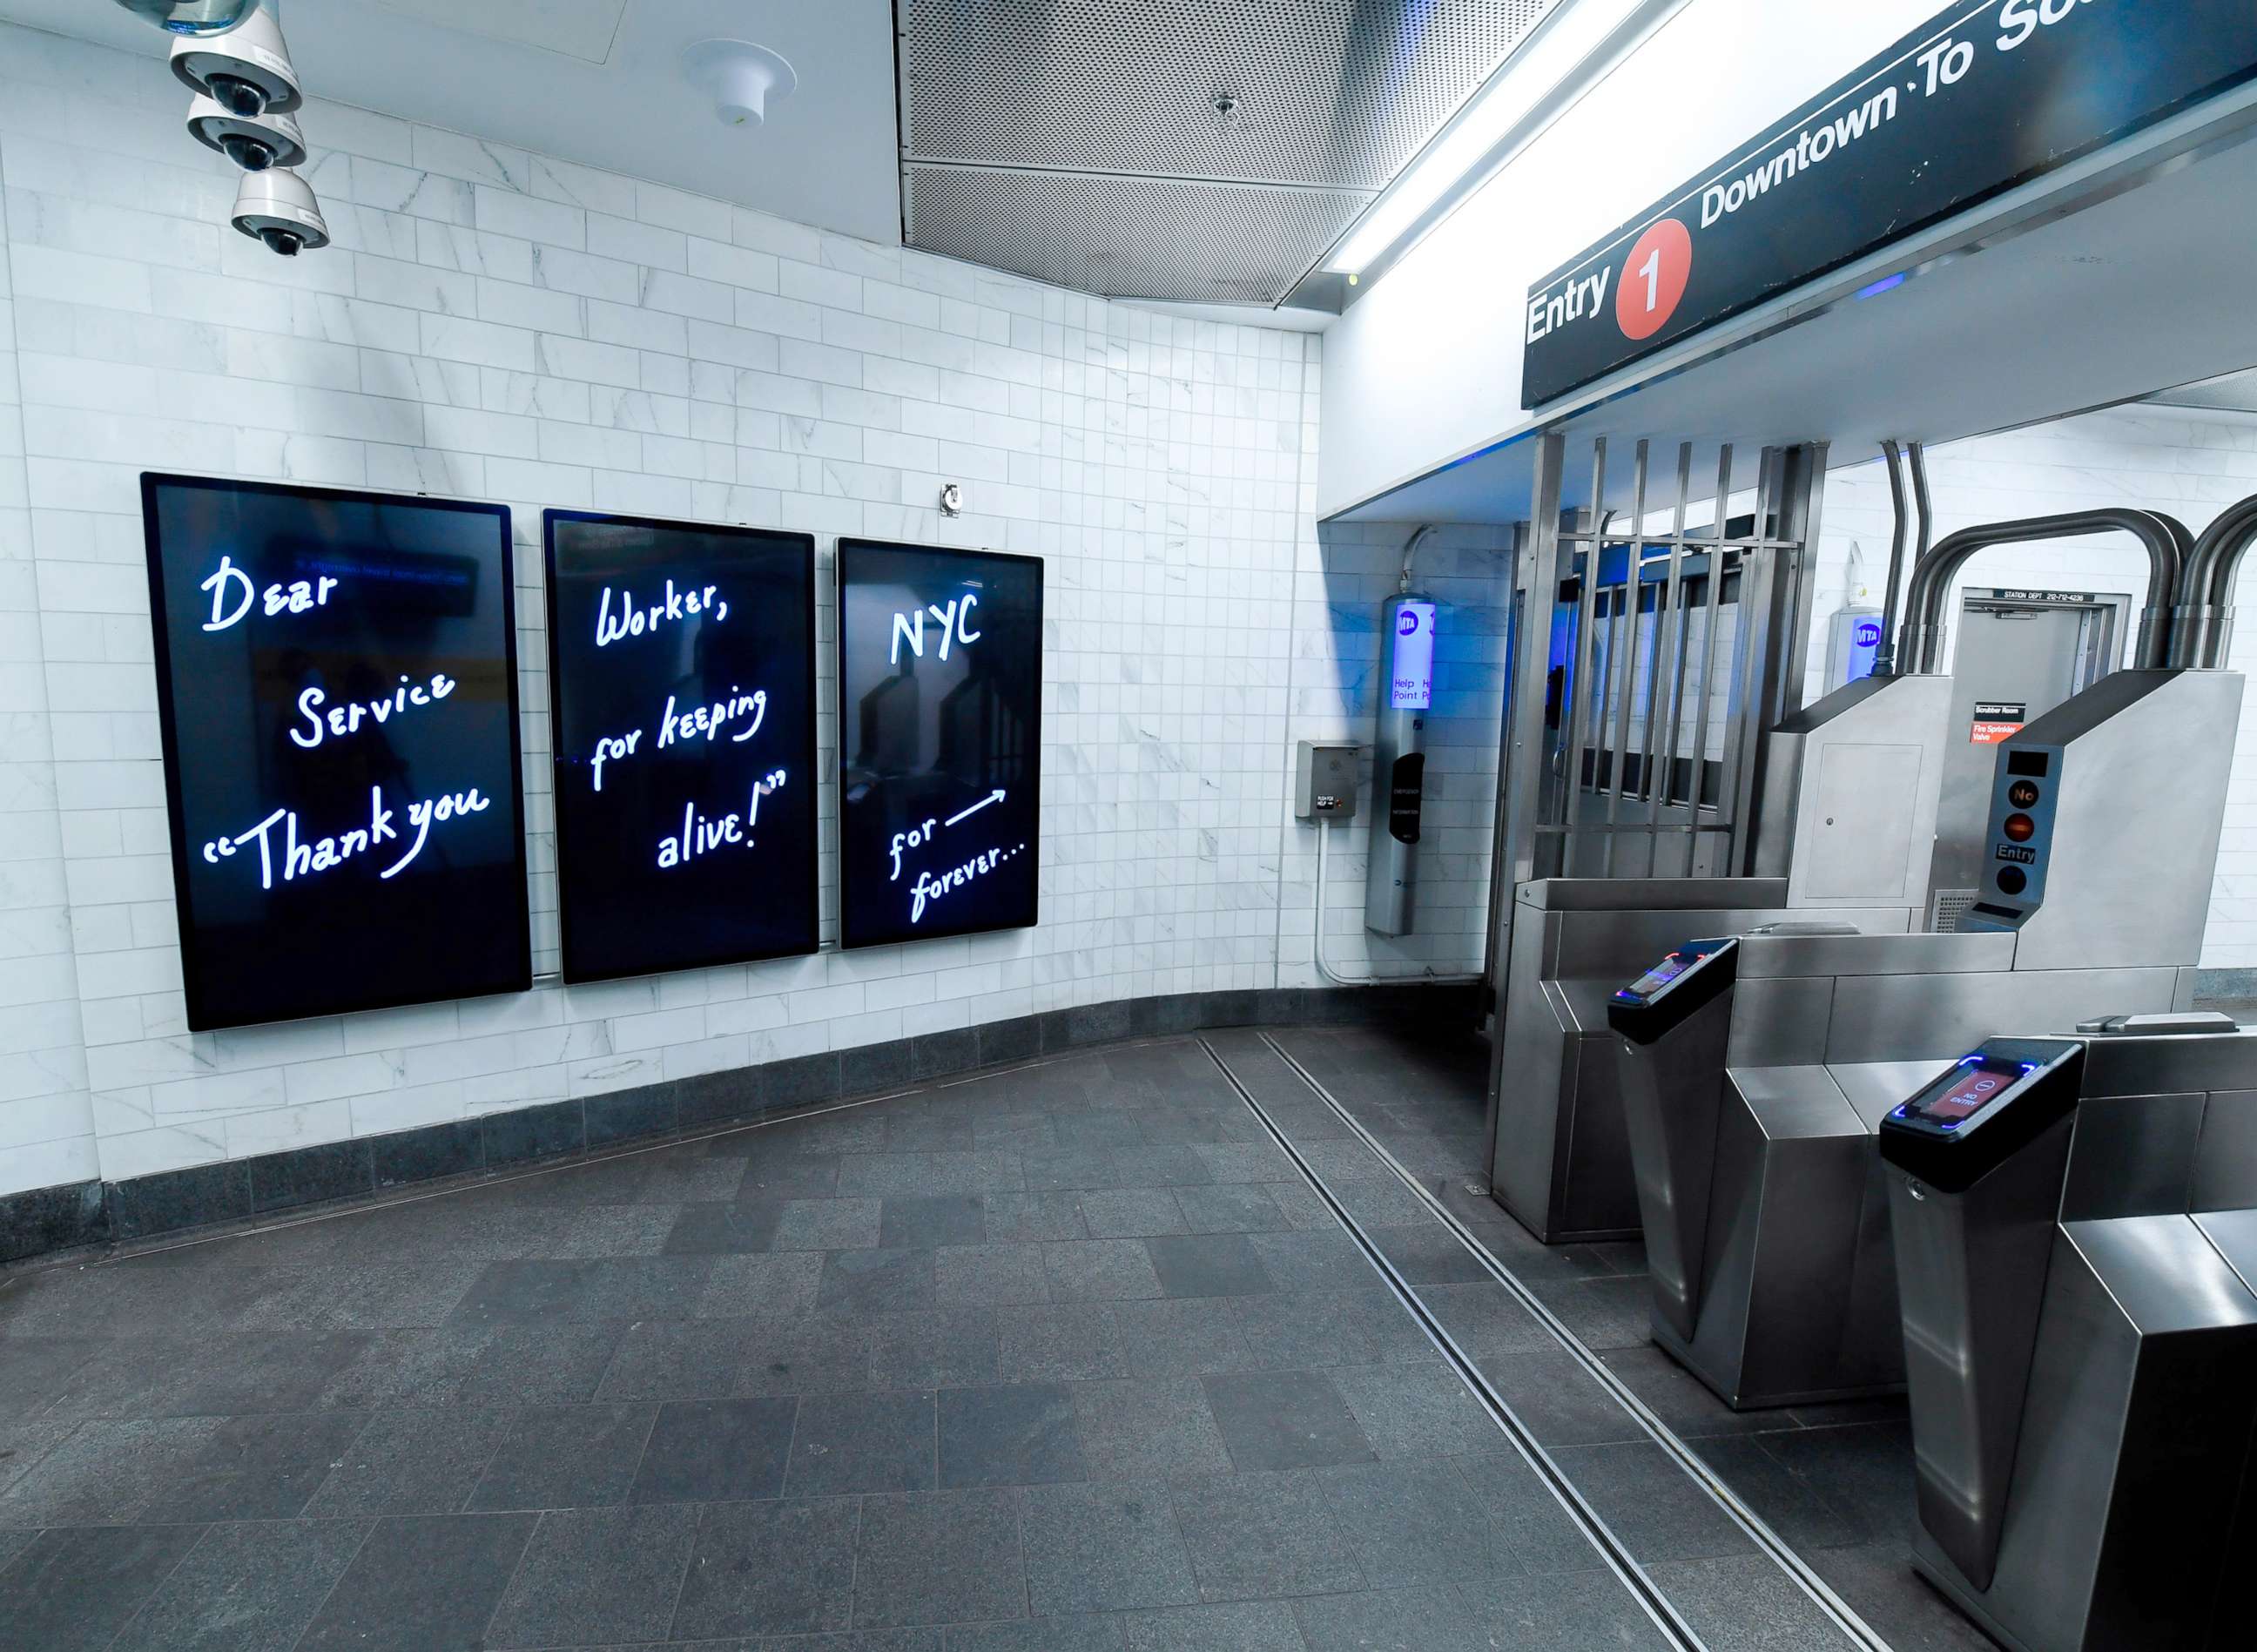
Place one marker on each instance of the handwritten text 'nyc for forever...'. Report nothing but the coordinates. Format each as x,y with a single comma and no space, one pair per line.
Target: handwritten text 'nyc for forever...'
737,712
234,594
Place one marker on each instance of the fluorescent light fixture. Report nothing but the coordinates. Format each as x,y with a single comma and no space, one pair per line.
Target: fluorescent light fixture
1552,56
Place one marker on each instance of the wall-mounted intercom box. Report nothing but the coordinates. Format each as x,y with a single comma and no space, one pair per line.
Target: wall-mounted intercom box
1324,781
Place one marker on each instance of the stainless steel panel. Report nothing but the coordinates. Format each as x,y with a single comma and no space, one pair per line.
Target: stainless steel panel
1672,1097
2138,1067
1876,1089
2225,1158
2133,1156
2154,773
1614,947
1874,953
1527,1091
2232,1234
1839,864
1898,1017
1780,1023
1865,769
1971,1271
1652,893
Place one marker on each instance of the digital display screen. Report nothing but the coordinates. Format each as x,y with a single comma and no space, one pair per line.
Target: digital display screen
337,691
681,711
1957,1098
2032,763
1669,969
940,683
1413,685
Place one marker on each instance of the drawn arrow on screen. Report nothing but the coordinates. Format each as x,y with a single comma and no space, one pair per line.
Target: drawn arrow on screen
995,796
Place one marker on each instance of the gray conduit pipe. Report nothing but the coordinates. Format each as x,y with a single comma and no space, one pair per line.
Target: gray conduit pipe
2201,626
1932,574
1884,657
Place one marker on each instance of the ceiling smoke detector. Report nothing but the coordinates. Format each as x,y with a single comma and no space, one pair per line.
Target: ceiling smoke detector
740,77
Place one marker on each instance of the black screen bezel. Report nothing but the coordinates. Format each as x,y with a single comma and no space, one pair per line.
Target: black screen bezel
848,543
814,884
176,810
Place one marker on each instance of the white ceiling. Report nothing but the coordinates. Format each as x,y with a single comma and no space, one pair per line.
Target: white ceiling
603,86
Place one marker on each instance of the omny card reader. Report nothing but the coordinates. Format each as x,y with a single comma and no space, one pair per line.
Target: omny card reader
2070,1221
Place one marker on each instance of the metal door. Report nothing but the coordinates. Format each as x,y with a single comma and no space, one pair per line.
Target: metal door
2021,653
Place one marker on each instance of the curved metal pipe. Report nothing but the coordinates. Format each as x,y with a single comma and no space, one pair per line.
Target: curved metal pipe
1884,657
1922,501
2202,622
1932,576
1409,555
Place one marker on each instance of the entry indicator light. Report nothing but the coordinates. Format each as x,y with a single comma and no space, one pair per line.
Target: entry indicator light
2023,794
2020,828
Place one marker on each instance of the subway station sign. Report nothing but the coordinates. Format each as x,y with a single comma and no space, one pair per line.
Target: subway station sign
1981,99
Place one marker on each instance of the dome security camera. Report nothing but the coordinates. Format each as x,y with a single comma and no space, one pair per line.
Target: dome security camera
278,207
246,71
191,17
253,142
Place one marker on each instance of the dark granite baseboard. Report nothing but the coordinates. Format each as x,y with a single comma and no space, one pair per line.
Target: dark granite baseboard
51,1219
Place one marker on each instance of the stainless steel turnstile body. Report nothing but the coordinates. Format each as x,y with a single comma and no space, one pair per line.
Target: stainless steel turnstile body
1767,1216
1759,1152
2083,1340
1849,810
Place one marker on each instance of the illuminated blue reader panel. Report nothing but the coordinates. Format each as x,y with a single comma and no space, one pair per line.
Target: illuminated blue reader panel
336,692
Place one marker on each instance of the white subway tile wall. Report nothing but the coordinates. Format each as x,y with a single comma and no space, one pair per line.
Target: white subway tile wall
505,326
2190,464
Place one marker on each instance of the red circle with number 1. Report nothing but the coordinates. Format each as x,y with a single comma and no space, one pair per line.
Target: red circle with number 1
1653,279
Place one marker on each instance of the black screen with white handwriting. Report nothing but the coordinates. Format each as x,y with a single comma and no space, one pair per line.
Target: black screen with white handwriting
682,711
940,688
337,692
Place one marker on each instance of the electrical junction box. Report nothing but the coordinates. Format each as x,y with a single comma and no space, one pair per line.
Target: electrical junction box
1324,781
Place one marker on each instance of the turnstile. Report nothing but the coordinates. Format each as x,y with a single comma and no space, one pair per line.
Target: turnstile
2075,1249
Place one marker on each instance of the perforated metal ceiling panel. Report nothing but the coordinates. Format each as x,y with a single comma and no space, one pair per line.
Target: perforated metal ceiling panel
1332,98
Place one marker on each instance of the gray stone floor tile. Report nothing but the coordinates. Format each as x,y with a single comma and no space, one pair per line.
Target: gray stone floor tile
36,1369
1096,1130
1264,1536
1285,1419
1559,1613
1182,1337
1390,1621
421,1584
1234,1207
1073,1169
1089,1632
413,1462
1306,1329
771,1174
1339,1159
911,1129
1032,1219
988,1275
1208,1265
1130,1213
1302,1207
1100,1270
1485,1319
828,1224
246,1588
939,1557
925,1174
863,1443
566,1456
1112,1546
1791,1504
258,1468
1878,1581
761,1287
1427,1253
475,1365
1653,1506
1747,1604
1065,1342
22,1445
591,1576
875,1641
1238,1626
1678,1398
716,1451
1417,1411
877,1281
1015,1132
74,1591
947,1348
1163,1167
1560,1405
1250,1161
1416,1524
1378,1201
814,1353
1537,1529
777,1567
1154,1429
678,1359
106,1472
1018,1434
586,1291
1604,1313
927,1223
